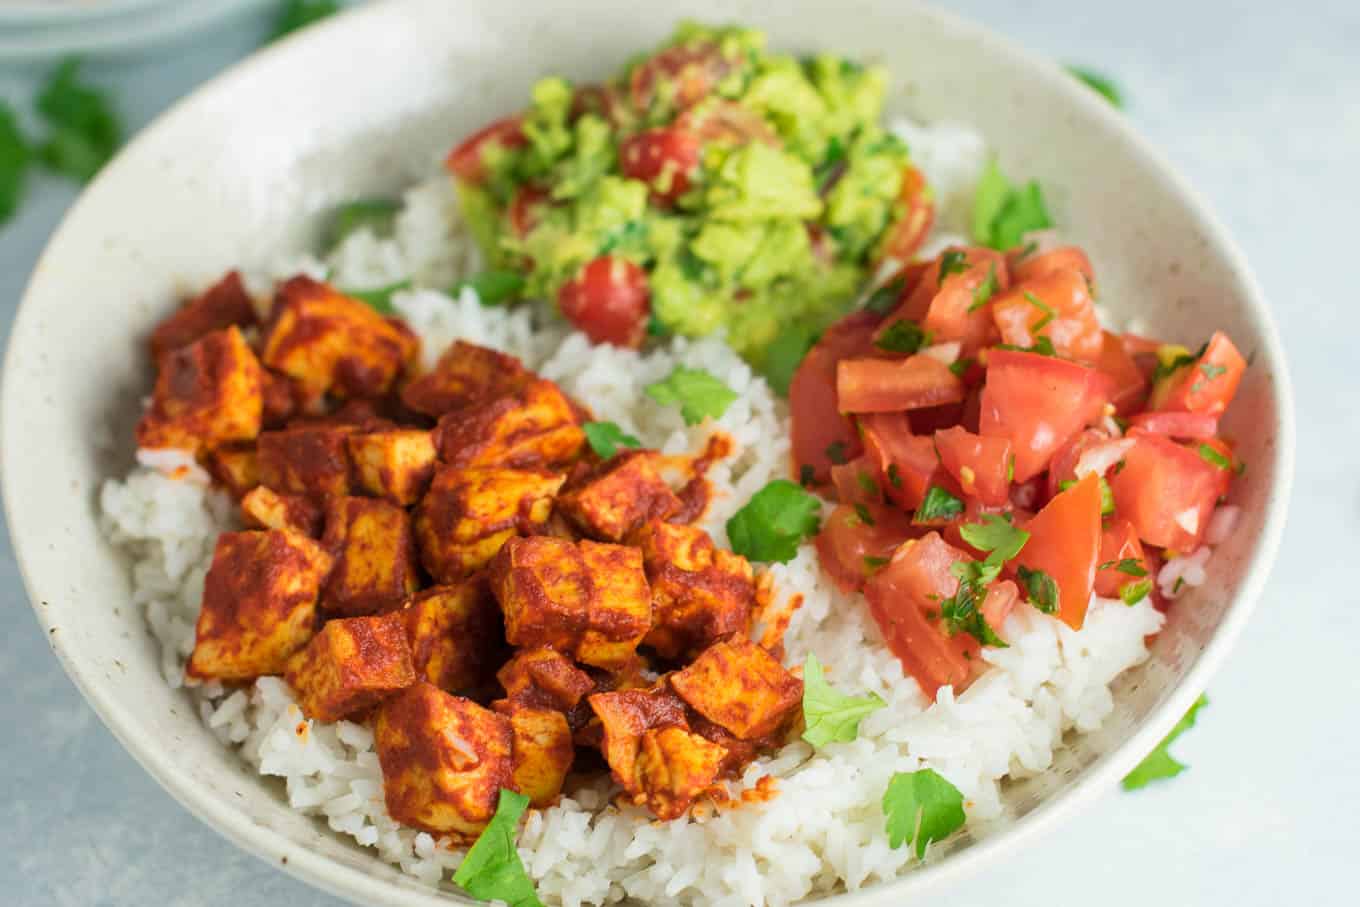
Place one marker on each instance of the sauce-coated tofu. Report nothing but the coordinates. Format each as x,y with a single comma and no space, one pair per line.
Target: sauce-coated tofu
259,604
468,514
444,760
375,556
537,426
237,466
625,716
625,492
465,374
674,766
220,306
207,394
310,459
264,508
396,464
587,600
283,398
544,678
334,344
351,665
700,592
456,636
542,752
738,685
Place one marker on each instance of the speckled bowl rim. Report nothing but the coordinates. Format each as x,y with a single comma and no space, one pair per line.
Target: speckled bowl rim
352,883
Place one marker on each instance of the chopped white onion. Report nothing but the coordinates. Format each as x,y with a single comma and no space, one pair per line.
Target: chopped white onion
173,464
1188,519
1100,458
948,353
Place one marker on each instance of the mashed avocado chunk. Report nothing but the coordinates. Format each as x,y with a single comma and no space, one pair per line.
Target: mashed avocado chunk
751,188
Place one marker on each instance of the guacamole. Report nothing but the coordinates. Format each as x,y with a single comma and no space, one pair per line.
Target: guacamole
729,187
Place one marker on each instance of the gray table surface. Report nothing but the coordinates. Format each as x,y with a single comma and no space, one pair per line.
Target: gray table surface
1259,104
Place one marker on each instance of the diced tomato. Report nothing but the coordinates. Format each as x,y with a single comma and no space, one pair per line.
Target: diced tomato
727,123
916,214
1186,426
695,69
1167,491
1065,543
1128,383
468,160
1225,450
856,482
1056,305
1039,403
907,464
1119,543
818,425
931,419
609,300
981,465
950,309
851,549
665,159
1208,386
1041,264
903,594
1138,345
1002,597
525,209
1090,444
894,385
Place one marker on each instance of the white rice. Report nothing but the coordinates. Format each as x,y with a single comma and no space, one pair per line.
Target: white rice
825,829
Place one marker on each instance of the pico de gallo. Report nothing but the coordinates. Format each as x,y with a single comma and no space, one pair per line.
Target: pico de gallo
710,185
990,446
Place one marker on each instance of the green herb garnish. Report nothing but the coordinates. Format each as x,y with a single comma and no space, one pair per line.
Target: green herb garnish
884,299
1100,84
902,336
921,806
492,870
698,394
379,298
1039,304
831,717
1129,566
835,452
1040,589
806,475
962,611
606,438
952,261
297,14
1133,593
15,156
492,287
995,534
983,294
960,367
773,523
894,476
785,353
1004,213
937,505
864,515
1210,455
84,131
1159,763
376,214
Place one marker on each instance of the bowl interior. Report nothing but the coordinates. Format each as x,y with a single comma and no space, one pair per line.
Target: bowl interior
237,174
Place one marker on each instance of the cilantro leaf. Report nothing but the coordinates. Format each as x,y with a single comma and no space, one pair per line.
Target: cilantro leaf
698,394
15,156
1129,566
1004,213
960,367
835,452
1133,593
862,511
902,336
785,353
377,214
773,523
921,806
1159,763
884,299
875,563
1212,371
1100,84
995,534
938,505
295,14
492,869
952,261
1042,306
606,438
962,611
379,298
807,475
831,717
985,290
1040,589
1210,455
84,130
492,287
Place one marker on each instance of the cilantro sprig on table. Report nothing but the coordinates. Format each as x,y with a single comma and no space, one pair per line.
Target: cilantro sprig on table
1160,764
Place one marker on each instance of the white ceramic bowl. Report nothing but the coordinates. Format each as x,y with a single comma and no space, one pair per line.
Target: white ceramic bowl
366,102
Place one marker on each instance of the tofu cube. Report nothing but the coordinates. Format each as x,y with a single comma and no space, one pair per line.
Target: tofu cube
468,514
350,666
333,344
700,592
542,753
375,556
456,635
625,716
624,493
222,305
236,466
264,508
259,604
207,394
587,600
444,760
396,464
674,766
544,678
740,686
307,459
535,427
283,398
465,374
